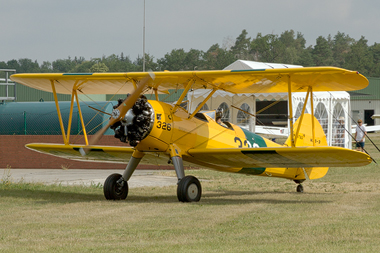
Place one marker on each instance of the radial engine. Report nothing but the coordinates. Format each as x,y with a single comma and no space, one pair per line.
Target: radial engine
137,122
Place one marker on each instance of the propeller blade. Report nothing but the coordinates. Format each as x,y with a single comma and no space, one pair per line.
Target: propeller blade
119,113
95,138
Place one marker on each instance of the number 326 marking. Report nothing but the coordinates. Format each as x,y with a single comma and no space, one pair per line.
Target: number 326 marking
164,126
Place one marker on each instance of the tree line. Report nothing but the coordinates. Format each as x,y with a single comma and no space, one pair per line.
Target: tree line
290,48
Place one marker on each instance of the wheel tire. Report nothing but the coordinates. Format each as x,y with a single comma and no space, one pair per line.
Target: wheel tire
300,188
189,189
112,190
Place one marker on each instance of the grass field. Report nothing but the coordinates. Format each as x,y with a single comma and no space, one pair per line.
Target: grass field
237,213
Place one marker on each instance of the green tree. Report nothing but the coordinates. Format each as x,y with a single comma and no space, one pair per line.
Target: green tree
267,48
63,65
322,53
341,47
360,58
173,61
287,38
13,64
79,60
28,66
242,46
293,46
99,67
150,64
306,57
3,65
46,67
193,60
217,58
375,51
113,63
83,67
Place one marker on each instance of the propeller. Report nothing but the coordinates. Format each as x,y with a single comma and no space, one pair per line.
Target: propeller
118,113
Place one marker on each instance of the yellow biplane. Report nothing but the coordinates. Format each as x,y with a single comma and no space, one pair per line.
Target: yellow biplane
161,133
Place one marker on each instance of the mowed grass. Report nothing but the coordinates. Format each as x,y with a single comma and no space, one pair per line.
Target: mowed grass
237,213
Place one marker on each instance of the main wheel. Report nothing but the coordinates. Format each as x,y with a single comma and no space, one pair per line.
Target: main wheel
299,188
115,188
189,189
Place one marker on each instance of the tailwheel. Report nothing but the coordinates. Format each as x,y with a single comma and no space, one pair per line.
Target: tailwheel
299,188
189,189
115,188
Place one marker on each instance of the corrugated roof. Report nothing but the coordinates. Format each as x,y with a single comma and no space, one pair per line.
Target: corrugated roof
371,92
27,94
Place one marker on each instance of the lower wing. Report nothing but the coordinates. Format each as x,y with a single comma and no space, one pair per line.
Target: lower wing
271,157
111,154
283,157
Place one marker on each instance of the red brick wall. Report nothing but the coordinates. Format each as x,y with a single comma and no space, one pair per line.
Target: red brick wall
13,153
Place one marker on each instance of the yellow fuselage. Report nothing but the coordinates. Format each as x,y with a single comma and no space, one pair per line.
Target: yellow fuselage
175,130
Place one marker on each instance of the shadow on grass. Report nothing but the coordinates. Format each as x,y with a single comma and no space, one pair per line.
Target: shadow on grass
227,197
50,196
232,197
45,196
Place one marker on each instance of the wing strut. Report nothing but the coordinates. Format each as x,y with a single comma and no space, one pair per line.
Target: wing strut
156,94
74,95
204,102
71,115
59,113
81,118
179,101
301,118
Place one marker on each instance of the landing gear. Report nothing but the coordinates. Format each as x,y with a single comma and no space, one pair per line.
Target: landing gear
299,185
189,189
300,188
115,188
116,185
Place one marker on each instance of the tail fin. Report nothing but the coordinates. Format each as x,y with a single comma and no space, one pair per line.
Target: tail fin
305,138
305,134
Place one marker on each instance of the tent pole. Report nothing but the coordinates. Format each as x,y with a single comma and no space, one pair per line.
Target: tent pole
290,110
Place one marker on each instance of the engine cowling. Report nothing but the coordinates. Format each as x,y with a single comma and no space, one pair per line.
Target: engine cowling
137,122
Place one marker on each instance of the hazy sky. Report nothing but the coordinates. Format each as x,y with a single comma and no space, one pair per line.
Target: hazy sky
46,30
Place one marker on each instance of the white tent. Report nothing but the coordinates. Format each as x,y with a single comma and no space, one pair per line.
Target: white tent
331,109
240,64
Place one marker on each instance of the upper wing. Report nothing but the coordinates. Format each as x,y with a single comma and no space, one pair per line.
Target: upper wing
235,81
283,157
